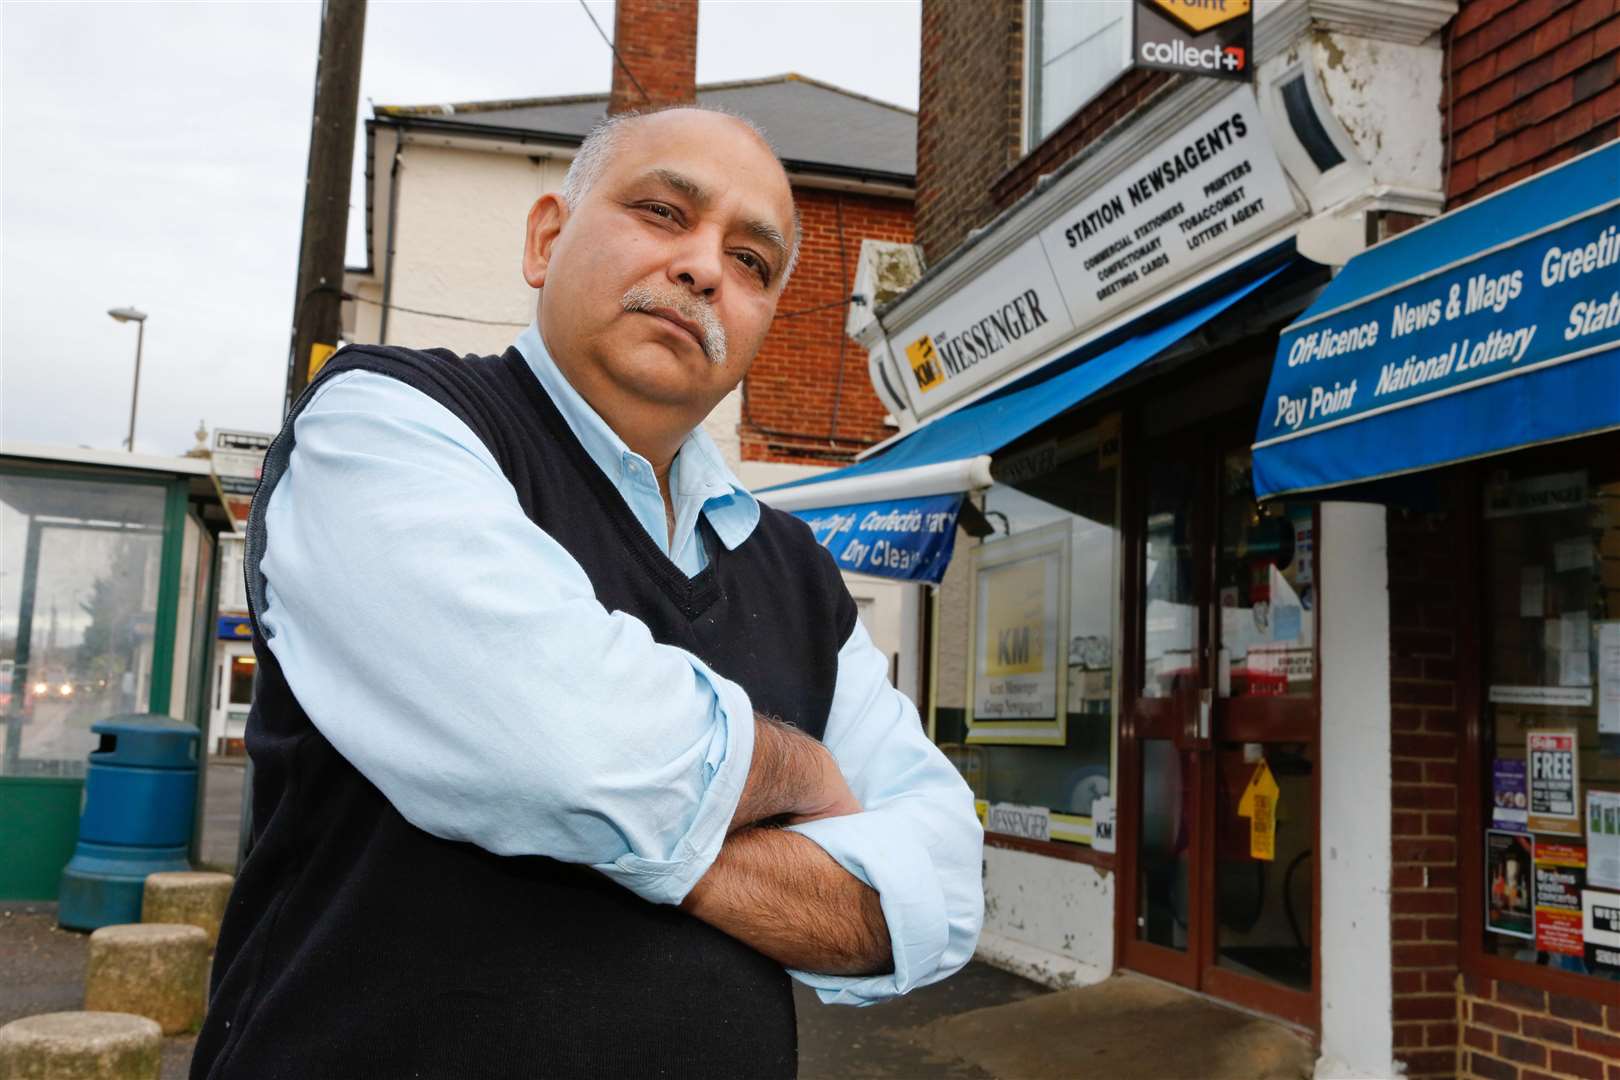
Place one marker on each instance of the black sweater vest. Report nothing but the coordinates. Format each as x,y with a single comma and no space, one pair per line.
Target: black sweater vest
357,945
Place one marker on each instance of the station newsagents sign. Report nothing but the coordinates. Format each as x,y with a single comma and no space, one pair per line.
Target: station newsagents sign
1213,187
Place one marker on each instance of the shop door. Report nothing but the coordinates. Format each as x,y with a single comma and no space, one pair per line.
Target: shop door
1219,746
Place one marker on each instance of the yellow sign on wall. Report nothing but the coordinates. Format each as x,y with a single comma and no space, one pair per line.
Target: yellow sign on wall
925,363
1201,15
1015,619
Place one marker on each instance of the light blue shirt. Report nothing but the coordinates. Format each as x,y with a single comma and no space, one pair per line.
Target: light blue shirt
457,656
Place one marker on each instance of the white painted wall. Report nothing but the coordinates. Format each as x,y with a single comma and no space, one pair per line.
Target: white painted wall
1357,985
1047,919
1374,88
458,245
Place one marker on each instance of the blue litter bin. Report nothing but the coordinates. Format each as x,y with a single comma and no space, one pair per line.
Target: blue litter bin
140,799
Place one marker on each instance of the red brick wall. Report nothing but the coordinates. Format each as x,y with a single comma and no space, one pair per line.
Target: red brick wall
1424,750
792,390
657,40
1129,92
1533,83
1513,1032
968,114
970,119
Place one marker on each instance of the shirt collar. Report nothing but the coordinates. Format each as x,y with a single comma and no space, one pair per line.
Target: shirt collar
698,471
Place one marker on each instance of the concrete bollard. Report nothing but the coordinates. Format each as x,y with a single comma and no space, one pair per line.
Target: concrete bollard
190,897
156,970
81,1046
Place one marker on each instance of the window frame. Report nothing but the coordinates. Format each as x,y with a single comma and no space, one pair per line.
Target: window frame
1030,96
1473,761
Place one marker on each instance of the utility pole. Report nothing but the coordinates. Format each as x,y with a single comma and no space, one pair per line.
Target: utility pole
317,308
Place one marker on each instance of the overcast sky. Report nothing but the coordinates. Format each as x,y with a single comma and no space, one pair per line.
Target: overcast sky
153,154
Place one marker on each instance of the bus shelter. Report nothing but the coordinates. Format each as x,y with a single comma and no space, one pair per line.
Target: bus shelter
107,588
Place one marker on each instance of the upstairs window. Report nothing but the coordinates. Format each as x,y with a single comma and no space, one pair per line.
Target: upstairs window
1075,50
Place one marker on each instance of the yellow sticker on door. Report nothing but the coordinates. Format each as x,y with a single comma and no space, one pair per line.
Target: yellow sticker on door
925,363
1259,804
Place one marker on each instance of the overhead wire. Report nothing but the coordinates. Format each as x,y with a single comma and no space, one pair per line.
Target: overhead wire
632,75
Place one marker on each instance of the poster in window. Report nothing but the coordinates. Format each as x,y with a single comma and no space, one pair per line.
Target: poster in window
1560,878
1554,780
1509,888
1510,804
1609,678
1600,930
1603,839
1020,603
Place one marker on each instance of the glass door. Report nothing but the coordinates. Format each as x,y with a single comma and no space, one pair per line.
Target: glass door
1162,827
1218,826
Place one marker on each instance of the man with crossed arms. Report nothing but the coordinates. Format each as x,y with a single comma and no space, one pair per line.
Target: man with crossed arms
568,752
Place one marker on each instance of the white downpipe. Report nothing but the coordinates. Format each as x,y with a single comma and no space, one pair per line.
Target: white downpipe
964,474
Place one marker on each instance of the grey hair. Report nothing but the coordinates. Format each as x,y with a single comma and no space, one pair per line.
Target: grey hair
602,142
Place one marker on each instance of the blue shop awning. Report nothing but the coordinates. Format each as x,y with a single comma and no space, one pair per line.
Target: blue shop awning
921,478
1494,327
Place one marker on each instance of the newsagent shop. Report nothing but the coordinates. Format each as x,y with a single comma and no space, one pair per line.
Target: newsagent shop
1273,578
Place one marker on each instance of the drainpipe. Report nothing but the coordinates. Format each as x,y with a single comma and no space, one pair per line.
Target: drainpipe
388,243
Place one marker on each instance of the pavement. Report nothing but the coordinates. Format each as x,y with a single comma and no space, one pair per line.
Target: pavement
980,1024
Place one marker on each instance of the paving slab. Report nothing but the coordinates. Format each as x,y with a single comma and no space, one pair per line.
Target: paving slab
876,1043
1123,1028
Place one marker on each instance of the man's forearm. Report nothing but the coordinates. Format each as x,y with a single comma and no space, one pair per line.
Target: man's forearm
780,893
792,776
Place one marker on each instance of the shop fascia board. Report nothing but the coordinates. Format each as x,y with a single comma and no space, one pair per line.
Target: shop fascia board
1187,285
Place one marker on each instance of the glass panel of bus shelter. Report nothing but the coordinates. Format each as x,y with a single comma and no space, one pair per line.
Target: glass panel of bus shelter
1170,605
1551,739
1265,829
1266,589
1164,845
1073,479
78,612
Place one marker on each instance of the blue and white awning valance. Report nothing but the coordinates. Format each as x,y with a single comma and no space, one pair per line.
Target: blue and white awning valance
907,539
1492,328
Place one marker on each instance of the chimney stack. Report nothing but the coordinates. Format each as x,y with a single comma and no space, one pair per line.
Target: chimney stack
657,41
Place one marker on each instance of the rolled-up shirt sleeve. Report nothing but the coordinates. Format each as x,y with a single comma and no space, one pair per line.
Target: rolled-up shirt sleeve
457,655
918,841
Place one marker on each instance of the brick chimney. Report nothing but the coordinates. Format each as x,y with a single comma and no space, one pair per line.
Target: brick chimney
657,41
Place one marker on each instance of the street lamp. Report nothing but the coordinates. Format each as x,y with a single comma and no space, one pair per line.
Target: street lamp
129,314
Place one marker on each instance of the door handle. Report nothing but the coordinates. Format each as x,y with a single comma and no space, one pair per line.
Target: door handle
1206,706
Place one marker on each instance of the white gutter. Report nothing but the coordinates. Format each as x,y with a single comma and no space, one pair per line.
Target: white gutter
964,474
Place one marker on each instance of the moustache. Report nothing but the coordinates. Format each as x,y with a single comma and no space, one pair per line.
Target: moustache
712,335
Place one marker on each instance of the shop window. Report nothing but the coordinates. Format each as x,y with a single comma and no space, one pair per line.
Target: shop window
1551,714
78,614
241,686
1075,50
1038,740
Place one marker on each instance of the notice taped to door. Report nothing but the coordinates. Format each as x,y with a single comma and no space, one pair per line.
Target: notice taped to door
1259,804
